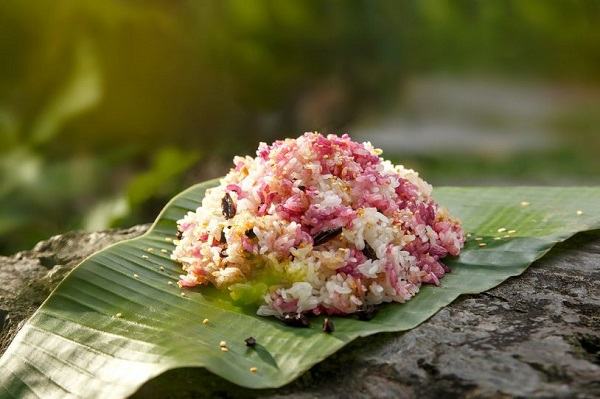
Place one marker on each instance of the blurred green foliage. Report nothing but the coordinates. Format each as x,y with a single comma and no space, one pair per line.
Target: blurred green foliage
106,106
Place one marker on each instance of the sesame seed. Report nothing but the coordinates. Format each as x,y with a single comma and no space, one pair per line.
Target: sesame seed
501,230
512,231
145,257
222,343
506,236
524,203
205,321
135,275
118,315
164,251
168,239
469,235
482,244
170,282
183,294
497,238
253,369
224,349
478,238
579,212
150,249
176,242
162,268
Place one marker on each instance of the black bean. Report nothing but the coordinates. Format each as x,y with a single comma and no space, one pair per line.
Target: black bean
302,188
369,252
179,234
328,326
295,320
223,239
326,235
228,206
366,313
250,341
250,233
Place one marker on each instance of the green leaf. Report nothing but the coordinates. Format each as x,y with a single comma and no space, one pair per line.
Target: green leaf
81,92
168,166
116,322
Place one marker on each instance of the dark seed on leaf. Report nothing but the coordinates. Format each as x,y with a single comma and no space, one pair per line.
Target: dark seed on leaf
295,320
324,236
369,252
328,326
228,206
179,234
250,341
367,313
250,233
223,240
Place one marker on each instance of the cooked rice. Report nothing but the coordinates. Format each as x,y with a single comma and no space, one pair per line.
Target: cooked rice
383,235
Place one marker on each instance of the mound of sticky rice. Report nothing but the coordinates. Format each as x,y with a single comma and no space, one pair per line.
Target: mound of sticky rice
317,225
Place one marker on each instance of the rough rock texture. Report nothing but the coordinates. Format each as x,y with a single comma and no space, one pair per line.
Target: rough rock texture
534,336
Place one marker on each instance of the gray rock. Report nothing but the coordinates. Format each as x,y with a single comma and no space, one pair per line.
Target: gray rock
534,336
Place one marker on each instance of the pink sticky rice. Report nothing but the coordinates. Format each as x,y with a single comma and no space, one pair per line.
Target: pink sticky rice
317,225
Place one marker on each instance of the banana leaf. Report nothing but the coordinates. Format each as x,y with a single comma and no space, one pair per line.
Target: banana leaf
119,319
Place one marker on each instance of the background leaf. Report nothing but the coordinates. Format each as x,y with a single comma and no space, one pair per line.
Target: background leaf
119,319
81,93
167,166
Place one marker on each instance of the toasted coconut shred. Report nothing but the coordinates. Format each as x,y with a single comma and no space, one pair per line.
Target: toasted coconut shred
317,225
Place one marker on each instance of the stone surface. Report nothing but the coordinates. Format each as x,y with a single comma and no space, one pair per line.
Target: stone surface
534,336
